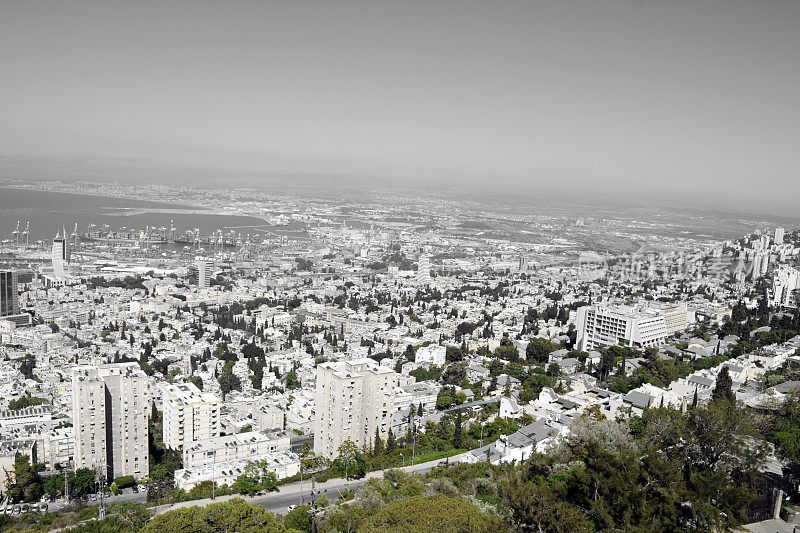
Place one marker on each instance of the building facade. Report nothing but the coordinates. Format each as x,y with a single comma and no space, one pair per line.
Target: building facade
109,406
353,400
189,415
636,327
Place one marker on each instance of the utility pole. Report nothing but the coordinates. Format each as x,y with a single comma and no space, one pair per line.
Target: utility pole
213,474
101,510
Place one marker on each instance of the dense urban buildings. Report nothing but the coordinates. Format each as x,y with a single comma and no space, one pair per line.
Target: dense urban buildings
350,337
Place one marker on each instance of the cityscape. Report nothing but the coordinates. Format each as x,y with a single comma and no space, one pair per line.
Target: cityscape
211,348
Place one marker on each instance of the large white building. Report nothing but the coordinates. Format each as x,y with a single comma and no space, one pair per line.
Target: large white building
353,399
109,410
189,415
779,235
785,287
223,459
424,269
636,327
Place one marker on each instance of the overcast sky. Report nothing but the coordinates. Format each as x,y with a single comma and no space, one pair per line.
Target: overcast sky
659,97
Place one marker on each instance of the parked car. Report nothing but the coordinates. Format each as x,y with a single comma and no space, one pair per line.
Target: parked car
135,488
291,508
142,488
43,507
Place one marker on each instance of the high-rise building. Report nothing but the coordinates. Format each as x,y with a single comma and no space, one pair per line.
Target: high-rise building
785,287
201,273
60,254
636,327
109,410
424,269
189,415
779,235
9,301
353,400
760,264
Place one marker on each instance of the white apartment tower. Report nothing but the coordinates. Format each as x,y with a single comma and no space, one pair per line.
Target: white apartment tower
779,234
109,410
353,399
424,269
189,415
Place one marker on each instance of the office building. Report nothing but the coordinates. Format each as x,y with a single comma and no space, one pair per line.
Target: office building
109,409
9,300
637,327
353,399
189,415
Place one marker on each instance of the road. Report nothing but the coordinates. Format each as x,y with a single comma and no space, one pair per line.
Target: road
300,493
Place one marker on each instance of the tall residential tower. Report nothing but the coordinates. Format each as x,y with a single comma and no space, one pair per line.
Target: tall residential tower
109,410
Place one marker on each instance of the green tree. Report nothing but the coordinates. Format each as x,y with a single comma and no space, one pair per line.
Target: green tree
298,519
458,433
377,447
723,388
350,460
230,516
256,477
538,350
431,514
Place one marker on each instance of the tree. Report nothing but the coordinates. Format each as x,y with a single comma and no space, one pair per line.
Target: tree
377,446
81,482
391,443
230,516
227,380
292,382
458,433
723,388
256,477
350,459
431,514
23,481
128,515
538,350
298,519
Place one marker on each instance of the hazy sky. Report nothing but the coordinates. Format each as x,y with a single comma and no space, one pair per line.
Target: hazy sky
658,97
